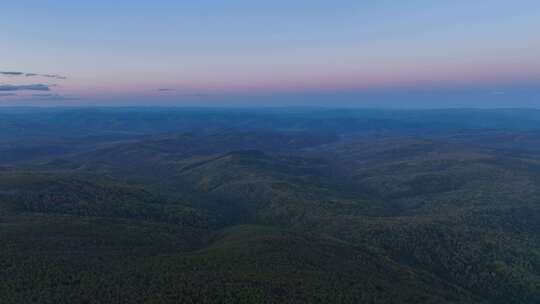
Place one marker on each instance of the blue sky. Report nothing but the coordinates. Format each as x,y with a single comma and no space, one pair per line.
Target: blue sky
355,53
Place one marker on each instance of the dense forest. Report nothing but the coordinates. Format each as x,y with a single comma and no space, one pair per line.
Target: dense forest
290,205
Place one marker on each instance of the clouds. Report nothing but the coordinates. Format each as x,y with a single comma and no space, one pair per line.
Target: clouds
166,90
52,96
12,73
19,87
26,87
36,97
55,76
7,95
44,95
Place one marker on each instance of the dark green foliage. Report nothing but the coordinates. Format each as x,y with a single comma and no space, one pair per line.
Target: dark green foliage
269,207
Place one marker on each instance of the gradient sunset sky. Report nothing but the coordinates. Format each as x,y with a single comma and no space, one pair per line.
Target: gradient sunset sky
386,53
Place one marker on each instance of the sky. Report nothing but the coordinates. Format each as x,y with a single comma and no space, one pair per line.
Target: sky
362,53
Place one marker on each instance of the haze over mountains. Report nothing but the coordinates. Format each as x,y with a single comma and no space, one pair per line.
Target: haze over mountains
282,205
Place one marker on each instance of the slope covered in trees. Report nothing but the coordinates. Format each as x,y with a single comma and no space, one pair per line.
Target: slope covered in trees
303,212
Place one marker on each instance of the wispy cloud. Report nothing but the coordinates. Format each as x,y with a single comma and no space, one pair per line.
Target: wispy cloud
7,73
7,95
13,73
28,87
55,76
52,97
166,90
44,95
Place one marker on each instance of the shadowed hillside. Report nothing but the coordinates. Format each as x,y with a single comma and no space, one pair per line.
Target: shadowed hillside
293,213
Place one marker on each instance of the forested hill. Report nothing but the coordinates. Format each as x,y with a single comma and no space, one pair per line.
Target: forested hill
269,206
